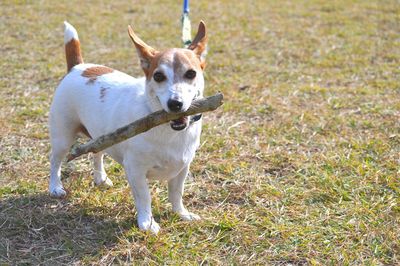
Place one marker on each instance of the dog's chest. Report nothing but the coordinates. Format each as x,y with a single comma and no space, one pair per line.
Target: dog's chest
167,158
166,168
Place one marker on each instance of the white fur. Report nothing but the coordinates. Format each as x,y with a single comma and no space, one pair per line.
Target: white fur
69,33
114,100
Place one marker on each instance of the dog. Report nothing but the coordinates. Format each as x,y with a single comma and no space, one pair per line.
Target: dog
95,100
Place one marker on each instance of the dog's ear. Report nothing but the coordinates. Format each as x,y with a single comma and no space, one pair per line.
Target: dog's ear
145,52
199,43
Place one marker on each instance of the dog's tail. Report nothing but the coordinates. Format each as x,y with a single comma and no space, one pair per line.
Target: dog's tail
72,46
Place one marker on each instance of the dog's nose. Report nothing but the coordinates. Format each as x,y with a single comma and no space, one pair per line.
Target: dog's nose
175,105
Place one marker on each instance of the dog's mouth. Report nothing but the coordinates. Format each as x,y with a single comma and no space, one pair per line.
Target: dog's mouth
179,124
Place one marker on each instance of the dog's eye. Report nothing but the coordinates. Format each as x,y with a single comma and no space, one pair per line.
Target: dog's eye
159,77
190,74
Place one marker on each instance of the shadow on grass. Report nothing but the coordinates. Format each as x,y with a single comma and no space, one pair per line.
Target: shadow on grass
39,229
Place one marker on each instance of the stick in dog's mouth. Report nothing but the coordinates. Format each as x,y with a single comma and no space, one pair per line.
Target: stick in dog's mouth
146,123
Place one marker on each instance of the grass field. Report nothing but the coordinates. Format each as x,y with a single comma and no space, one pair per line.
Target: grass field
301,166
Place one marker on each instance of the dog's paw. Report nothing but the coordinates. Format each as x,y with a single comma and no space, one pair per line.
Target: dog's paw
104,183
189,216
149,225
58,192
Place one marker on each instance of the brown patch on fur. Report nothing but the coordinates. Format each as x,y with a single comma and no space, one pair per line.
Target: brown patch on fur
161,57
199,44
179,59
185,59
93,72
73,54
82,129
203,65
146,53
103,91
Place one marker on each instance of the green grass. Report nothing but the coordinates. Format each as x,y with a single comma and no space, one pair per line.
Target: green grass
300,166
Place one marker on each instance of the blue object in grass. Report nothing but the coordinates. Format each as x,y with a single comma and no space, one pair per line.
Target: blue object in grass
185,6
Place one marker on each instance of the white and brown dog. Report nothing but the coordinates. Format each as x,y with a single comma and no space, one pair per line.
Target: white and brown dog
95,100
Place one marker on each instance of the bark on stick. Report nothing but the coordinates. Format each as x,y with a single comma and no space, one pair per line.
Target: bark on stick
144,124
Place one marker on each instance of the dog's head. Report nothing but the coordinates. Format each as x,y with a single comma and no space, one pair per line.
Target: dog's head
174,77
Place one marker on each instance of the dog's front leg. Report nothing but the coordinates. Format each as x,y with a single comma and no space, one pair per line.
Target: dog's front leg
140,190
175,193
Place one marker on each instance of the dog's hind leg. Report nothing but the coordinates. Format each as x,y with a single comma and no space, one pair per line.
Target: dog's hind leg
175,193
100,176
62,138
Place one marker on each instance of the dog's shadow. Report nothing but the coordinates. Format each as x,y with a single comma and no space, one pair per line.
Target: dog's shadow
37,229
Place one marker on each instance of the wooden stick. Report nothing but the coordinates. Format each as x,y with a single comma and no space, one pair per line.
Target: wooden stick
142,125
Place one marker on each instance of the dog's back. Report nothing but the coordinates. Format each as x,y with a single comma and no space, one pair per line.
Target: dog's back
90,92
96,101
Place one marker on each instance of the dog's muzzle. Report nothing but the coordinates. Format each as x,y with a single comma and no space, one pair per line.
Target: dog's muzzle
183,122
179,124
